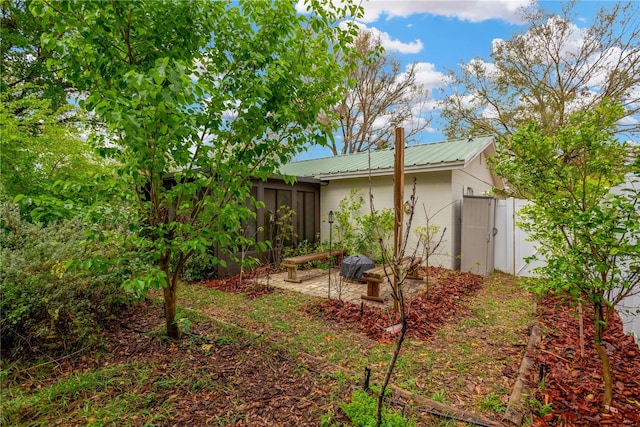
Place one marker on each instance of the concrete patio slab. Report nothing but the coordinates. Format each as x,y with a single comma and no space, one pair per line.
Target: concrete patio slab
315,282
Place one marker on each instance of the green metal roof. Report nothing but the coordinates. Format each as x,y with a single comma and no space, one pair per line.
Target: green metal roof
443,155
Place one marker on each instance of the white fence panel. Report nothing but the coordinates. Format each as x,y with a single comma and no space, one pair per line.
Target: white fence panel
628,309
512,245
504,240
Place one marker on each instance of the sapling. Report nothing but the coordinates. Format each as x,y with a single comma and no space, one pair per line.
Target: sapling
285,231
585,213
430,238
250,262
396,274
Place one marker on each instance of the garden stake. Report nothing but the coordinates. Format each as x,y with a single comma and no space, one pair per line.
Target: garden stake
367,377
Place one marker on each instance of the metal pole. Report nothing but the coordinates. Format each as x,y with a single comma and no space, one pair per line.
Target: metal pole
330,250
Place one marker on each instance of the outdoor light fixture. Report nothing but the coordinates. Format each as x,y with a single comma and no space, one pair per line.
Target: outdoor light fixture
330,220
408,209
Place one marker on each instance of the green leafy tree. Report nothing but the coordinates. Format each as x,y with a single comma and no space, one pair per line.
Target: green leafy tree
40,135
585,212
24,69
549,71
198,99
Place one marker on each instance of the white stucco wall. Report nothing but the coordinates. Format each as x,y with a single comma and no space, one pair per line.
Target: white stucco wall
437,199
475,176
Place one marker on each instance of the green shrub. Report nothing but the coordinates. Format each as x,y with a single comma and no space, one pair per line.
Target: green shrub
361,233
362,412
46,308
200,266
305,248
373,228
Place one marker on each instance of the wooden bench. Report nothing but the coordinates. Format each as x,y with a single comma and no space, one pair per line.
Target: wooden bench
292,263
377,275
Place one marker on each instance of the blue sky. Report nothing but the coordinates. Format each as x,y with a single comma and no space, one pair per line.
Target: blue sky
440,35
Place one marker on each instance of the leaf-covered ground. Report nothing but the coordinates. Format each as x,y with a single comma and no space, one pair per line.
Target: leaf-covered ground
254,385
572,384
220,375
211,377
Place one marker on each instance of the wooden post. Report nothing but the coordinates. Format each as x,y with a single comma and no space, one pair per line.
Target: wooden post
398,202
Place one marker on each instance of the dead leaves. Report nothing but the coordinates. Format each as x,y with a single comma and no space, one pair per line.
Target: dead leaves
234,285
425,313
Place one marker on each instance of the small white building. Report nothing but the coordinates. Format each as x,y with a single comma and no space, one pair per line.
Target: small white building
444,173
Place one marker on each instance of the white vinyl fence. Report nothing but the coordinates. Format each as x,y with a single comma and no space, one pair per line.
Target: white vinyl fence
512,247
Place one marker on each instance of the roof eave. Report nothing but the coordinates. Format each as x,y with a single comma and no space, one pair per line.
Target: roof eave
437,167
479,150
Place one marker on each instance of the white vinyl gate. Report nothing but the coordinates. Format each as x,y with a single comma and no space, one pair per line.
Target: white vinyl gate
512,247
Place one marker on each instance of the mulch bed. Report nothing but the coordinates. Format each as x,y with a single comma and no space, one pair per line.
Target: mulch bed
425,313
573,384
246,285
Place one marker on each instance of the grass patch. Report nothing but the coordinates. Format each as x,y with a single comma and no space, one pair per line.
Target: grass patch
469,355
464,358
73,399
493,403
439,396
361,410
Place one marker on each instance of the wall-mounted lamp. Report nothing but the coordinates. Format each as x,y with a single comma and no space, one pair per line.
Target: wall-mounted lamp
408,208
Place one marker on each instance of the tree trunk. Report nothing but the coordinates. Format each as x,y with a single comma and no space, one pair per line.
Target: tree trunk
581,330
170,303
392,364
606,375
600,328
427,275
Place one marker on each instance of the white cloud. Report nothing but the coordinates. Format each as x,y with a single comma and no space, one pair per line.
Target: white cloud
488,68
427,75
464,10
395,45
390,44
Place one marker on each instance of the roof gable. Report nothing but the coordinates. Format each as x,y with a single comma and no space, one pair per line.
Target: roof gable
444,155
